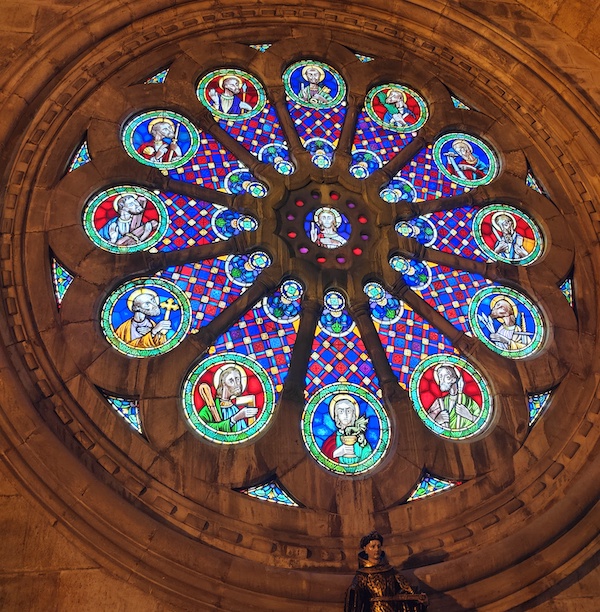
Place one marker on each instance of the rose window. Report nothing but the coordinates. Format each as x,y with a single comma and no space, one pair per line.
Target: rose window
335,251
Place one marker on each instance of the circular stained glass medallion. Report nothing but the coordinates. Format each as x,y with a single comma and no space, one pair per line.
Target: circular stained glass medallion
327,227
507,322
507,234
146,317
314,84
450,396
125,219
228,398
231,94
160,138
466,160
396,107
345,428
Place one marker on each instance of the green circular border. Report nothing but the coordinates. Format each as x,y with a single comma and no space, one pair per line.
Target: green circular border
476,428
132,124
394,128
536,342
306,426
200,427
336,75
123,347
533,256
92,205
262,96
494,164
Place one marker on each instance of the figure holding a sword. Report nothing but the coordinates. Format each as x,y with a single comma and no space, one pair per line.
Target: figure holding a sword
511,335
463,163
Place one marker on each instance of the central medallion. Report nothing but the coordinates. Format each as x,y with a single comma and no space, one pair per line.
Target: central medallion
328,226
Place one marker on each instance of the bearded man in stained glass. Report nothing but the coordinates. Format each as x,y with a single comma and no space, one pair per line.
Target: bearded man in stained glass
455,410
141,331
229,411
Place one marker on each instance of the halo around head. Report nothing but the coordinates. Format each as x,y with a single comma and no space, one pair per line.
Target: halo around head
338,398
496,299
313,67
141,291
230,76
160,120
228,366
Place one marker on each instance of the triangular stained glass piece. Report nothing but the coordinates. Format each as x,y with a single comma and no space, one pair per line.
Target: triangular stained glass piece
158,78
61,281
81,157
430,485
532,182
567,290
458,103
364,58
271,491
129,409
537,404
262,47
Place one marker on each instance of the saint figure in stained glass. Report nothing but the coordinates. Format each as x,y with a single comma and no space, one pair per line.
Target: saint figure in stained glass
450,396
160,138
465,159
396,107
125,219
327,228
231,94
146,317
345,428
506,321
228,397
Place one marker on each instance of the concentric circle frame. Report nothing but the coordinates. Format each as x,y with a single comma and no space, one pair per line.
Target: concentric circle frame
222,73
421,105
291,73
483,420
211,433
308,415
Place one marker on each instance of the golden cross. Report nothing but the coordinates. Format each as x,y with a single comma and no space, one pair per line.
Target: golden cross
169,305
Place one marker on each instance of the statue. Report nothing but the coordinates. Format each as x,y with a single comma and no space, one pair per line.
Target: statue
377,586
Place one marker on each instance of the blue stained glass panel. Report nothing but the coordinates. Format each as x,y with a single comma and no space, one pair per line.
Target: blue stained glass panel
271,491
211,285
421,180
449,291
214,167
430,485
537,403
267,333
129,409
262,48
338,352
459,104
567,290
407,338
533,183
61,281
81,157
364,58
158,78
374,146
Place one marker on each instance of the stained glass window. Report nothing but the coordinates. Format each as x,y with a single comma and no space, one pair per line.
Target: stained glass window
61,281
533,183
159,77
270,491
390,231
430,485
262,47
537,404
459,103
81,157
129,409
567,289
364,58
